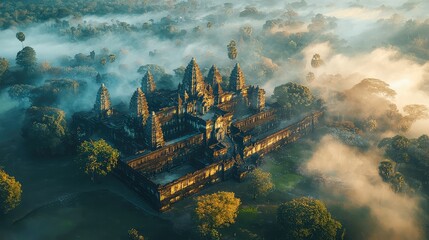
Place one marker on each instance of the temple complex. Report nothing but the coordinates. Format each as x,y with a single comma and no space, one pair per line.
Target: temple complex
211,132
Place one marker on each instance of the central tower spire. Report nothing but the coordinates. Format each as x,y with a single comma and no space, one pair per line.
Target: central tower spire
193,81
237,80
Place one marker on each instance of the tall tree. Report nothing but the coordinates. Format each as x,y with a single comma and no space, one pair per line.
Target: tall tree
21,37
294,98
372,86
112,58
20,91
398,182
133,234
260,182
26,58
44,130
4,65
215,211
97,158
232,50
307,218
396,148
10,192
316,61
386,170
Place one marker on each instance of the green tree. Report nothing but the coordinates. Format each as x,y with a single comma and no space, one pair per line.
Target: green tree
26,58
92,55
4,65
386,170
307,218
316,61
396,148
398,182
215,211
10,192
97,158
133,234
232,50
294,98
21,37
44,130
370,124
260,182
310,77
372,86
20,91
112,58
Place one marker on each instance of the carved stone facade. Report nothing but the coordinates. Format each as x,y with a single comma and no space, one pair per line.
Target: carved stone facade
237,81
148,84
193,81
153,132
256,98
207,135
102,103
139,107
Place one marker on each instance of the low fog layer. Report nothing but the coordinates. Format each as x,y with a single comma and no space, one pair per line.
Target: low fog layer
352,177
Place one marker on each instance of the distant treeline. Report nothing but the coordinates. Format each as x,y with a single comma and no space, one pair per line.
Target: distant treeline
17,13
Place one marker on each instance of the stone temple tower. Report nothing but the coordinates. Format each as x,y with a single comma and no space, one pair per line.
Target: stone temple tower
193,82
153,132
214,77
256,98
237,81
138,106
102,104
148,84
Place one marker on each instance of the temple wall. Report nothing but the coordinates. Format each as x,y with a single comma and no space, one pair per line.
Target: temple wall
255,120
162,196
194,182
139,183
171,125
284,136
157,160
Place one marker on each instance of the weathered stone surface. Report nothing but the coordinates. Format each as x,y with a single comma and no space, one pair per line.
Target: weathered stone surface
154,135
102,102
138,106
193,82
214,77
148,84
208,131
256,98
237,80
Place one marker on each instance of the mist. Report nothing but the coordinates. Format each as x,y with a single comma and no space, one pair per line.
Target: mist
352,180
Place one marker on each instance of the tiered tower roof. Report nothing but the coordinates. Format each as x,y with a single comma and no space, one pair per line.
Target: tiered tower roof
193,81
153,130
148,84
102,102
217,89
214,76
237,80
139,106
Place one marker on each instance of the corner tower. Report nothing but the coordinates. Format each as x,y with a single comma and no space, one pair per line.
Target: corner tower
102,104
138,106
148,84
154,136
